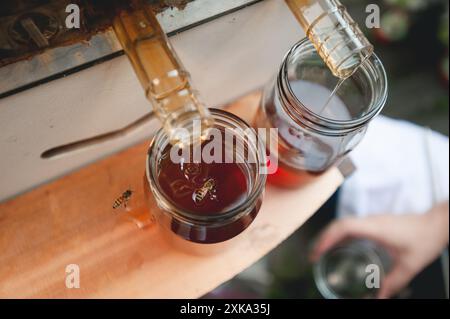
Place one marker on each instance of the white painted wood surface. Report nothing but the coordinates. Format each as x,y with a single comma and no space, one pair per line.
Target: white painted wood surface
227,57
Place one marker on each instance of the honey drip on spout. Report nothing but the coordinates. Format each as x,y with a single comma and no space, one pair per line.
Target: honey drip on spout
335,35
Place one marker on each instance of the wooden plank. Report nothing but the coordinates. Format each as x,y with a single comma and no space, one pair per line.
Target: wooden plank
71,221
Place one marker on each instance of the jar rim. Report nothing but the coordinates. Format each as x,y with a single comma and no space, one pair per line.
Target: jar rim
361,247
228,216
315,121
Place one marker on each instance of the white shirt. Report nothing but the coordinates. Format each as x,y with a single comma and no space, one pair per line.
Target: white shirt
393,172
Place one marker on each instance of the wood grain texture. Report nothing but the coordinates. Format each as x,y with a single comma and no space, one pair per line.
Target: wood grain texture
71,221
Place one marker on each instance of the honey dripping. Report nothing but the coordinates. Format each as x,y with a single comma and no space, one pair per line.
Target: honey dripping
337,38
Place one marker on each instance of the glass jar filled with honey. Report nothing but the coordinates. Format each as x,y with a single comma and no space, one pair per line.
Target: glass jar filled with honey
204,194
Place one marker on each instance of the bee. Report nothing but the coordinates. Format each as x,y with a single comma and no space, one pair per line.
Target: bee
123,199
201,192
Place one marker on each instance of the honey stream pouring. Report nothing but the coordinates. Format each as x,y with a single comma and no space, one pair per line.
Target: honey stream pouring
167,85
337,38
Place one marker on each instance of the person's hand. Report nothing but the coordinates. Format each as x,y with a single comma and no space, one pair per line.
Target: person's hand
413,241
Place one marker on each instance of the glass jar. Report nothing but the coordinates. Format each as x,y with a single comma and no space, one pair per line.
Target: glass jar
192,229
342,272
337,38
315,128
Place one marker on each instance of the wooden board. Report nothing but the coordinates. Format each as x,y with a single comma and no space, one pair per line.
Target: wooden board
71,221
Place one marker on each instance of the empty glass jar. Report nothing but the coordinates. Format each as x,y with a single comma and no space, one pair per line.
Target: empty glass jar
315,127
353,269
